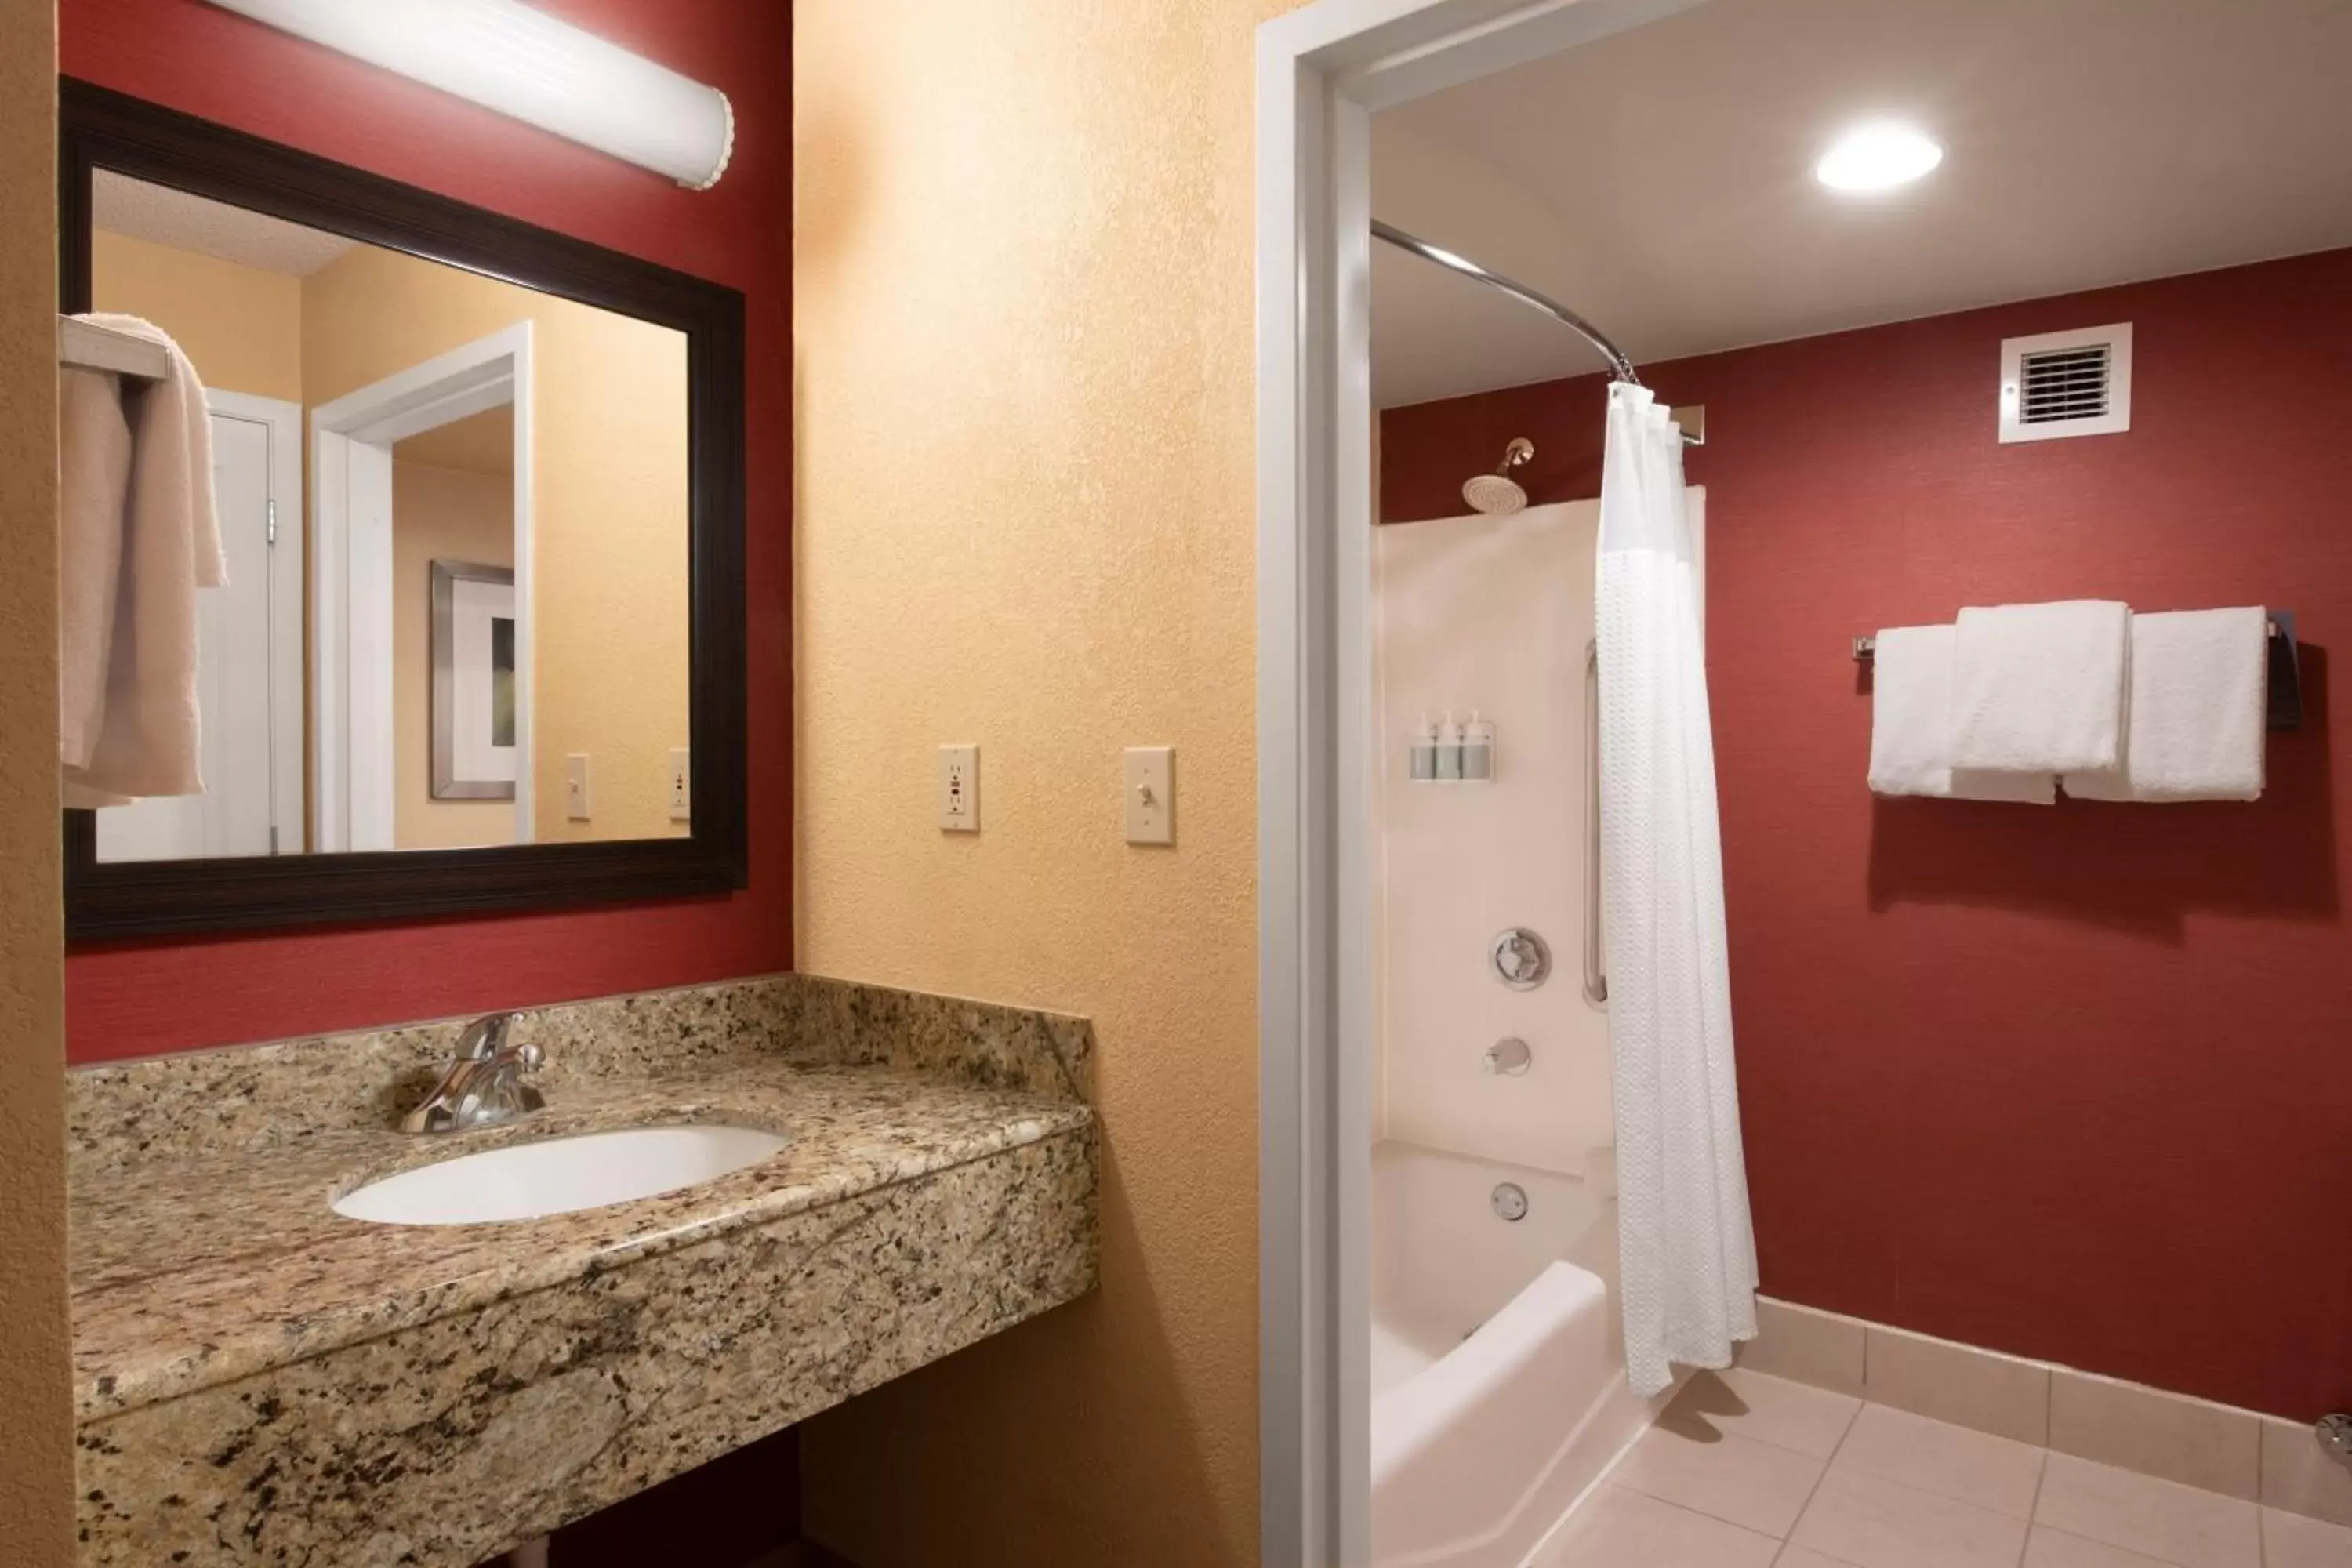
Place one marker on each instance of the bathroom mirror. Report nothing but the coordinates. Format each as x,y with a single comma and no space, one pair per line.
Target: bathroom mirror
478,489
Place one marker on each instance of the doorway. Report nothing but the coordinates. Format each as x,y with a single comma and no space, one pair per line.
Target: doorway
355,615
1323,71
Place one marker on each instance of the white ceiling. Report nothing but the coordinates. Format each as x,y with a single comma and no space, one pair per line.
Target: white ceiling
1660,181
121,205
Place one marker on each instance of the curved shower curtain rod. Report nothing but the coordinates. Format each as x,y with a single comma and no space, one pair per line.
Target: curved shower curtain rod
1619,366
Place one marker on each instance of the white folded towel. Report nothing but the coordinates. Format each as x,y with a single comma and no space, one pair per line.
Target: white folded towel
1911,726
2041,688
137,537
2200,696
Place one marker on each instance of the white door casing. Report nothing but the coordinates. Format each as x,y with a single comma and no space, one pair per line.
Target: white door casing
350,525
1322,70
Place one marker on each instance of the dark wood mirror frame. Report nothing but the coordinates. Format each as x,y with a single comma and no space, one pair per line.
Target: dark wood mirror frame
100,128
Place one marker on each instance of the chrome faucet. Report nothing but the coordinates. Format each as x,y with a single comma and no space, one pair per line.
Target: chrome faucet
484,1087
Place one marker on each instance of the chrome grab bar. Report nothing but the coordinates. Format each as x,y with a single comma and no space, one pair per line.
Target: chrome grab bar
1596,957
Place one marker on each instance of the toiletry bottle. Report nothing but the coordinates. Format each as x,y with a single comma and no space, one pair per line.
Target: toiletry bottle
1424,750
1449,751
1478,749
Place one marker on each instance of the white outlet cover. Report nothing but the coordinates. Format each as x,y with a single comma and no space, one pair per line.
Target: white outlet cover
679,785
1149,783
959,802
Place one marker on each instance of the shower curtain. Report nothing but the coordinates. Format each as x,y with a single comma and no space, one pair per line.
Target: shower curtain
1689,1283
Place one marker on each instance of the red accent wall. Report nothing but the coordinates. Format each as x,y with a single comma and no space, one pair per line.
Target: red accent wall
2076,1082
141,998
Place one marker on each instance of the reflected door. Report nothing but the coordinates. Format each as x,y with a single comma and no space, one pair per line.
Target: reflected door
239,668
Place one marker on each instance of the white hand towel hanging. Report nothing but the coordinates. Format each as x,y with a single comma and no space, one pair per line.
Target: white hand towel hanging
1911,726
138,537
2040,688
2200,696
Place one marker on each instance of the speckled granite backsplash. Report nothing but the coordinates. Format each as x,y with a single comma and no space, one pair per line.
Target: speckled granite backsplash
261,1096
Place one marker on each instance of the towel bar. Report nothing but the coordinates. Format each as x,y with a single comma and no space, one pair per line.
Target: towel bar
2285,671
86,345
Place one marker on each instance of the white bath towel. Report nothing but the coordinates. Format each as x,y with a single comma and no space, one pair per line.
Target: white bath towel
2041,688
93,475
1911,726
137,537
2199,694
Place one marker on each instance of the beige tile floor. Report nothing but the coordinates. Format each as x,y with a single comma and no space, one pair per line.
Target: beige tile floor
1748,1471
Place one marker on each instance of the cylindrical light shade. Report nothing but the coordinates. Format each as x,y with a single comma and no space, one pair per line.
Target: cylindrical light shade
508,57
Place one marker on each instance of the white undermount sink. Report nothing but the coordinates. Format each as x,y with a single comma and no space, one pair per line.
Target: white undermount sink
558,1175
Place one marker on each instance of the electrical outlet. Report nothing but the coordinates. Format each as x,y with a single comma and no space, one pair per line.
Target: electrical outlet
681,784
959,789
575,785
1151,788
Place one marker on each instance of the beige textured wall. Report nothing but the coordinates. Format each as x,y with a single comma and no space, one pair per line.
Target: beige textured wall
1022,310
437,514
240,326
610,552
36,1428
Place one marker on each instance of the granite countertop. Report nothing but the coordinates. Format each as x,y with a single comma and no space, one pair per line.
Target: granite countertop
195,1270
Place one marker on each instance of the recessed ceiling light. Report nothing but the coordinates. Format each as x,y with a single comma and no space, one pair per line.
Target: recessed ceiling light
1878,158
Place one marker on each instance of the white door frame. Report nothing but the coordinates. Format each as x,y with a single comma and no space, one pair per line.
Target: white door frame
286,752
1321,73
351,527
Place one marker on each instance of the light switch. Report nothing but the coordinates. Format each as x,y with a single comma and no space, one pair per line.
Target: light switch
959,789
575,785
1151,788
681,784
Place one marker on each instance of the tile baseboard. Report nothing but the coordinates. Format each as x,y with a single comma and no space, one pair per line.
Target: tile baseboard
2150,1431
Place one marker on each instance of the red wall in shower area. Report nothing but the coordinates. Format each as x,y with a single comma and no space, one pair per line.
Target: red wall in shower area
136,999
2071,1082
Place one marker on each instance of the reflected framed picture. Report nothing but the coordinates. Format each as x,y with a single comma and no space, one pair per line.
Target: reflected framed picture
473,681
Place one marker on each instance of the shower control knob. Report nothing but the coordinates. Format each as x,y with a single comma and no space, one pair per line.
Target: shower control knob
2335,1435
1522,960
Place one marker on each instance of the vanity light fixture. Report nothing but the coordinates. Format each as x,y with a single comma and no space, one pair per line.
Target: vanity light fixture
1878,157
523,62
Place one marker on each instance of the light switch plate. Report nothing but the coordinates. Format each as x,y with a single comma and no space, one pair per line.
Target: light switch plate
1150,785
575,785
959,789
681,784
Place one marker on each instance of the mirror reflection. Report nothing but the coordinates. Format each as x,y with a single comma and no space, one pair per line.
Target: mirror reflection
454,518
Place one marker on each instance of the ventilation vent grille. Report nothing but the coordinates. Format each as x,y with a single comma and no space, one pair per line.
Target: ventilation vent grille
2063,383
2066,384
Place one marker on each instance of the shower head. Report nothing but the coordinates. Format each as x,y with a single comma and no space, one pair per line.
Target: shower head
1498,494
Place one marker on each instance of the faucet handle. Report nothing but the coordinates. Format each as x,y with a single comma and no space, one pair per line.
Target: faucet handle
483,1039
483,1086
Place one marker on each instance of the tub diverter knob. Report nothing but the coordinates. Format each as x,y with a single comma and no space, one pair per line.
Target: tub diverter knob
1509,1058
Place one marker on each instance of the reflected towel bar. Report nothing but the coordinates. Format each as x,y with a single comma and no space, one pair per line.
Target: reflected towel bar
86,345
2285,670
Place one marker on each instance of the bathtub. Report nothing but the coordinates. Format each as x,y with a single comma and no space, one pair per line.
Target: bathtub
1498,1379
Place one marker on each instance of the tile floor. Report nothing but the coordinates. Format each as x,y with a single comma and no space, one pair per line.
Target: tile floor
1749,1471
